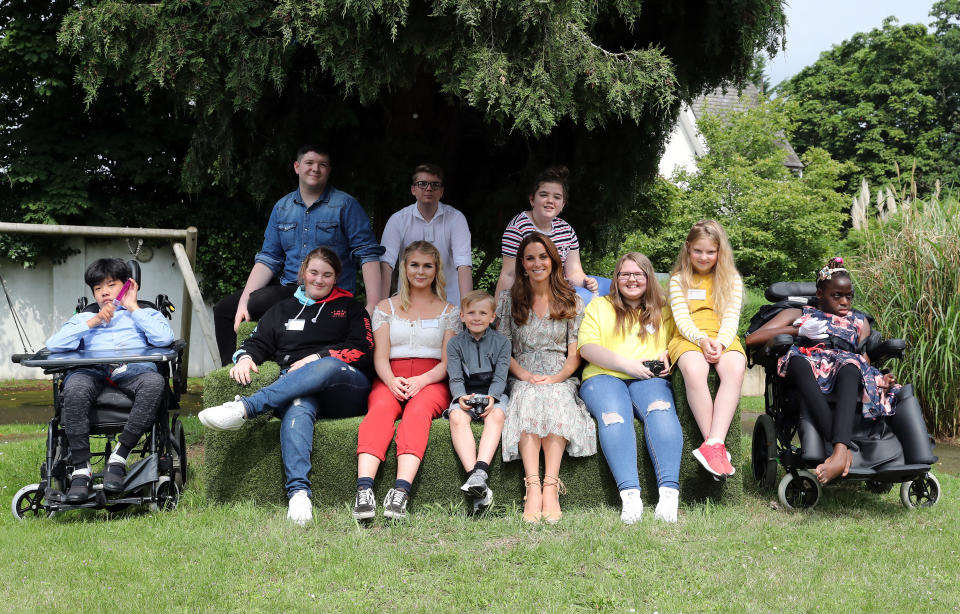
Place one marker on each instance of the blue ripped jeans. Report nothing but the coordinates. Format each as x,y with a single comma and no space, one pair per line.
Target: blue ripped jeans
325,388
614,402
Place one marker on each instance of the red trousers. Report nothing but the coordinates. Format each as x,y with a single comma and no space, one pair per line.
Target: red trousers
415,415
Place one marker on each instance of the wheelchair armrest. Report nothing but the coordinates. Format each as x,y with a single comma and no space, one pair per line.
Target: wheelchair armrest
779,345
891,348
16,358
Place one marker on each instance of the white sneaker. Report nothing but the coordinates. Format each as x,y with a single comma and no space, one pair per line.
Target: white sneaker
482,504
226,417
300,511
632,506
667,505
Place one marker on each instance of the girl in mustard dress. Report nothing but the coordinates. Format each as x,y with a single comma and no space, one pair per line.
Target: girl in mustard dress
706,294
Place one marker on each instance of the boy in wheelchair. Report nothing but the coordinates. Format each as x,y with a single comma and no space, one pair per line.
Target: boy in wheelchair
118,325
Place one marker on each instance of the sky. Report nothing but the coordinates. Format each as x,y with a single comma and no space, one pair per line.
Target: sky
814,26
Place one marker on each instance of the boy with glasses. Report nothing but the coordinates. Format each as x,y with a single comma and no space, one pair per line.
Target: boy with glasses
428,219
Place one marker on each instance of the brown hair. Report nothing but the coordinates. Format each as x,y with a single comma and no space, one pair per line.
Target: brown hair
724,272
439,285
427,167
649,312
563,298
552,174
321,253
476,296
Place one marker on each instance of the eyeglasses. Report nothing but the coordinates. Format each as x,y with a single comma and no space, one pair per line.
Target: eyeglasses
423,185
626,276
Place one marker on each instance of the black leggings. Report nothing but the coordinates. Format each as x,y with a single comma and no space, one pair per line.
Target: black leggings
834,425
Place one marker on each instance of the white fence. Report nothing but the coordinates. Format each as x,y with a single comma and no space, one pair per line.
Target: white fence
45,297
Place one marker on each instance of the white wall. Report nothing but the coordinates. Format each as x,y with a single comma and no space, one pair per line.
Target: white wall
45,297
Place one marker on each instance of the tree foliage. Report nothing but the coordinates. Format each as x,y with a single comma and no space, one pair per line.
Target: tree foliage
885,97
215,95
781,226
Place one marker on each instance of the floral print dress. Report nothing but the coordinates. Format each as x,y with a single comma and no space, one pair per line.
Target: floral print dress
540,346
827,361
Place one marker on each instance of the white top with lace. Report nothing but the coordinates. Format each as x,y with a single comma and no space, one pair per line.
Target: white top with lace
420,338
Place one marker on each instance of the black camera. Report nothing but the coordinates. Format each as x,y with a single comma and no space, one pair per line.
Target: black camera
655,366
477,404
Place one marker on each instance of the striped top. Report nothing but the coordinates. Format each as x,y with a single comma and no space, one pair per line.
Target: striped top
703,291
561,233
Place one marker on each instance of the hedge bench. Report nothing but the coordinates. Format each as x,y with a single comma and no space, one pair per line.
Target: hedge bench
246,465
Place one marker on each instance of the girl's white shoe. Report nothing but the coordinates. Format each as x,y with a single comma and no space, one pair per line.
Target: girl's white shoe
667,506
632,506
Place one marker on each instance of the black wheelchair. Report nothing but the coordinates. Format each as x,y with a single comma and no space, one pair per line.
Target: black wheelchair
160,474
887,451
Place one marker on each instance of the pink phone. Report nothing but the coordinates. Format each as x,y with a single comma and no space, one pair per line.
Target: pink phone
123,290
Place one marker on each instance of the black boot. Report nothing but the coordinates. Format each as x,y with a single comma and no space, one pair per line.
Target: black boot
113,477
79,489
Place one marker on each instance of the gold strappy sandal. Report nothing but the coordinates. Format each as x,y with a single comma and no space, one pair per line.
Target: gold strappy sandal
532,480
554,517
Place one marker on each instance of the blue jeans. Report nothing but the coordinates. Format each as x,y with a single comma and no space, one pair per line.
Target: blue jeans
325,388
613,402
603,289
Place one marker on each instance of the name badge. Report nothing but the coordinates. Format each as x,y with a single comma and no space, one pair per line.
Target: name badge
122,368
295,324
696,294
431,323
650,329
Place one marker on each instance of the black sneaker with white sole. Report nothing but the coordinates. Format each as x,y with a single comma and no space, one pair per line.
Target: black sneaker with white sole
364,504
395,504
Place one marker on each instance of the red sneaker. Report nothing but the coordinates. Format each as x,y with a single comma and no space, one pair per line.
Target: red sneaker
714,459
727,465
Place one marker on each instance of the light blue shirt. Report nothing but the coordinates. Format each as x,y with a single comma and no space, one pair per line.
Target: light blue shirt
139,329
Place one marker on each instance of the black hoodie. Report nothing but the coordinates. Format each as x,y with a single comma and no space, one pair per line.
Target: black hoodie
336,325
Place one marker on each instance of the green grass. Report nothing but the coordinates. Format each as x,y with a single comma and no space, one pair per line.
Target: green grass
854,552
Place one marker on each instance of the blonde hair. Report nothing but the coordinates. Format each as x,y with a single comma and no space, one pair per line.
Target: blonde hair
438,286
475,296
649,312
724,272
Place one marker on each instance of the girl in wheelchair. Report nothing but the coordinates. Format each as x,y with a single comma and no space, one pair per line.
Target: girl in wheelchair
826,358
125,326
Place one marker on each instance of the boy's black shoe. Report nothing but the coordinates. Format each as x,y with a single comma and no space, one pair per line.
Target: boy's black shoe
113,477
79,489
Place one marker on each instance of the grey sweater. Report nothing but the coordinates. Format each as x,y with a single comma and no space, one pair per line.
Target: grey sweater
478,367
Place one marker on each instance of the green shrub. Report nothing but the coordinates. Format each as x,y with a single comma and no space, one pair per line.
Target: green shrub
906,268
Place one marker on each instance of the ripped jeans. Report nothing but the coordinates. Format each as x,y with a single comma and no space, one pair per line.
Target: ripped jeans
614,402
325,388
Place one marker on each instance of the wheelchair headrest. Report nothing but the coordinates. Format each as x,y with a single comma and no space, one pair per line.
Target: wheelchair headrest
783,290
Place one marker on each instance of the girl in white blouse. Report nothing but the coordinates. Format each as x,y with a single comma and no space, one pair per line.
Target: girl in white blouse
410,330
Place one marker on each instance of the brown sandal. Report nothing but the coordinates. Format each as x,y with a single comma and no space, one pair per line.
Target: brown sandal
554,517
532,480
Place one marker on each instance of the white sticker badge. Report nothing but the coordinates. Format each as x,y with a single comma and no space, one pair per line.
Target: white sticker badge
696,294
295,324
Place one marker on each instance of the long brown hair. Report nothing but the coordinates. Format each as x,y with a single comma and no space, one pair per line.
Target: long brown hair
439,285
648,313
724,273
563,298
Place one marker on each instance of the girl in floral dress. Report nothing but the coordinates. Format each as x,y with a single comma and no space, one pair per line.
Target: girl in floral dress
541,315
826,359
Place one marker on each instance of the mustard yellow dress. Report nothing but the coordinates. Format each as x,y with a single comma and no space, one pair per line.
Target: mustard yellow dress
694,314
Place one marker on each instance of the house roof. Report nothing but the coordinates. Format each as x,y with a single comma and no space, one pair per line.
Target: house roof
726,99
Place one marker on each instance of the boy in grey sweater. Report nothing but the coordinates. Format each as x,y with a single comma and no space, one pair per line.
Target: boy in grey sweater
478,360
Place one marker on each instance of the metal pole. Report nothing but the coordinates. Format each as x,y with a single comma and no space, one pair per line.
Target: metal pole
191,283
190,246
95,231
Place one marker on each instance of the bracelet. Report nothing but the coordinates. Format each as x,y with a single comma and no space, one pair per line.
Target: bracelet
318,356
242,356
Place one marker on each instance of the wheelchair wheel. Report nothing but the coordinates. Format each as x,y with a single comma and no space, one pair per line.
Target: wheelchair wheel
921,492
799,493
168,495
764,452
28,503
178,439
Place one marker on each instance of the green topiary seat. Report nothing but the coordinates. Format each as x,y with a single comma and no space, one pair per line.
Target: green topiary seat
246,464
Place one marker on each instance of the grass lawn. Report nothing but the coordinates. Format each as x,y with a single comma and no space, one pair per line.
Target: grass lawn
855,552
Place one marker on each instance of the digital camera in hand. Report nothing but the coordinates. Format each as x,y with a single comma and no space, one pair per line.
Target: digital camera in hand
656,366
477,403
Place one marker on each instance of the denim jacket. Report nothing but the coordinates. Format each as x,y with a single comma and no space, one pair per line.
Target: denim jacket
335,220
